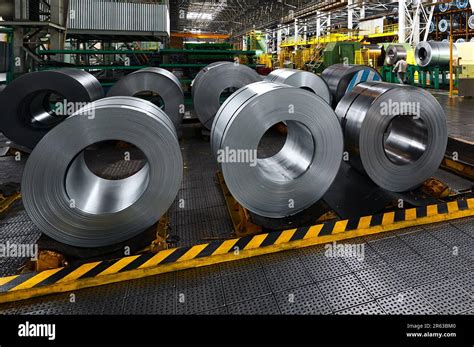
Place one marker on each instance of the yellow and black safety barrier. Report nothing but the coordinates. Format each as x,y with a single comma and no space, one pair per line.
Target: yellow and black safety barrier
71,278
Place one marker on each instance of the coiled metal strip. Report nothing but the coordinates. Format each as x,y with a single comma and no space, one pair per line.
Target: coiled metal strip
301,172
72,205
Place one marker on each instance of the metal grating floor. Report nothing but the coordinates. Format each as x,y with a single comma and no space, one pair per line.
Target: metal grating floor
424,270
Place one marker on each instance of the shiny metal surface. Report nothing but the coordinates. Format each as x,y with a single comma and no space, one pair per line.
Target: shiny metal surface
395,134
444,7
118,15
444,25
428,53
301,172
302,79
471,21
27,114
395,53
72,205
213,81
158,81
339,78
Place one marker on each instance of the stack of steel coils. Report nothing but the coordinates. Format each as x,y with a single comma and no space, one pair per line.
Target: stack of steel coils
395,134
341,79
297,176
394,53
213,81
429,53
157,81
302,79
71,204
27,114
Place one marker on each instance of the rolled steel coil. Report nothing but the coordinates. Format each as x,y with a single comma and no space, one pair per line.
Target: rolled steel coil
397,135
429,53
158,81
301,79
72,205
462,4
341,79
444,25
27,114
395,53
460,40
472,39
301,172
215,80
432,27
471,22
444,6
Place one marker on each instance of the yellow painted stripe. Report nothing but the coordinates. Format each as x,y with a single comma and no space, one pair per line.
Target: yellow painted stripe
192,253
158,258
119,265
453,206
256,241
285,236
364,222
410,214
432,210
36,279
470,203
5,280
340,227
388,218
225,247
313,232
80,271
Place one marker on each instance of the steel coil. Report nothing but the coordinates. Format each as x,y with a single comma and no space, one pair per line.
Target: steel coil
462,4
395,134
444,6
301,172
157,81
301,79
445,26
432,27
395,53
72,205
460,40
429,53
213,82
27,114
341,79
471,22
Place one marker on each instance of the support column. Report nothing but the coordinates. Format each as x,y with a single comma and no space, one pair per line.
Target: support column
318,24
350,14
402,21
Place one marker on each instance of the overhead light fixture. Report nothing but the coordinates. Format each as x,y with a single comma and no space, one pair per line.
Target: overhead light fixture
199,15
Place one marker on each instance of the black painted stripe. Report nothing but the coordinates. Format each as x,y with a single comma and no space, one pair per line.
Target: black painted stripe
376,220
327,229
443,208
241,243
17,281
210,249
102,266
300,234
271,239
58,276
462,204
421,212
352,224
138,262
174,257
400,216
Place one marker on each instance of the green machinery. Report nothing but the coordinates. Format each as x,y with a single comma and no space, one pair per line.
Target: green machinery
436,77
340,52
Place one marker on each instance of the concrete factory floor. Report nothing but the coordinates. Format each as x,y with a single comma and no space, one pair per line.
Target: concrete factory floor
411,271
